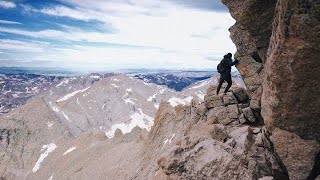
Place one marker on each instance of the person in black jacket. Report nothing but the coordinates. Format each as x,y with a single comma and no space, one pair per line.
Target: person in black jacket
226,75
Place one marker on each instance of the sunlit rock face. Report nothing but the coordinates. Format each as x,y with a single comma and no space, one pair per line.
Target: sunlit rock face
278,45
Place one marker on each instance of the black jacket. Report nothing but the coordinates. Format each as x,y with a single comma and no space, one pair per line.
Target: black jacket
229,63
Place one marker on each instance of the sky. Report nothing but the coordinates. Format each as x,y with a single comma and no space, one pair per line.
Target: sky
114,34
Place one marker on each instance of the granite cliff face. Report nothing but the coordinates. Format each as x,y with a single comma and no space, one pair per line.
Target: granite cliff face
278,44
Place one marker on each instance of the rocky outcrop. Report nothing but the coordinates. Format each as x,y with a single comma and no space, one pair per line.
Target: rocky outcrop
22,134
278,43
207,141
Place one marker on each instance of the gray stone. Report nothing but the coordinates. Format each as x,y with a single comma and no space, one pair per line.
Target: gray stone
297,154
213,101
211,90
242,119
217,132
221,112
243,137
230,142
249,114
201,109
241,94
211,117
229,98
258,141
256,130
255,104
233,112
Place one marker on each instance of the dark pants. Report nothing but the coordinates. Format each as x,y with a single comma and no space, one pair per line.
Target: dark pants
222,80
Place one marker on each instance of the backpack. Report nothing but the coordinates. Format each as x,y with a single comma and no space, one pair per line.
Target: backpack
222,66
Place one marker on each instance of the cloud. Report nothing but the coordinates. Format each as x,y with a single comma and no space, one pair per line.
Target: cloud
7,4
212,5
173,32
9,22
63,11
158,34
14,45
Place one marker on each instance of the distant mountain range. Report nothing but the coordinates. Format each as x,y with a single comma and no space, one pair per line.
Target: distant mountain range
17,85
37,71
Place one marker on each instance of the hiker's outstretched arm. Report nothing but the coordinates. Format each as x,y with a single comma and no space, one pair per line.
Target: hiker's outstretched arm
232,63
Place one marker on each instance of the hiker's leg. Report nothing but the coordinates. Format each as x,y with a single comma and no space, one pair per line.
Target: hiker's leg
229,81
220,84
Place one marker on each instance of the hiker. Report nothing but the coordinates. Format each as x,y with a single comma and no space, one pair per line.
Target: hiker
224,68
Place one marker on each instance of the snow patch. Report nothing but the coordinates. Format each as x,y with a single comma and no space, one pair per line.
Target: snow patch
51,177
162,90
176,101
48,149
53,107
65,81
200,95
65,116
103,106
116,80
137,119
126,98
152,97
49,124
201,84
68,96
114,85
94,77
69,150
168,140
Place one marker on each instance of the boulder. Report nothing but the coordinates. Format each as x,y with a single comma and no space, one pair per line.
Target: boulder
208,159
298,155
248,114
229,99
241,95
223,115
233,111
242,119
218,132
243,137
211,90
256,130
255,104
212,101
230,142
201,109
258,141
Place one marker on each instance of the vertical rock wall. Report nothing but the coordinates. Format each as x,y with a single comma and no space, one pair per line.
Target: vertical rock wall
278,44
